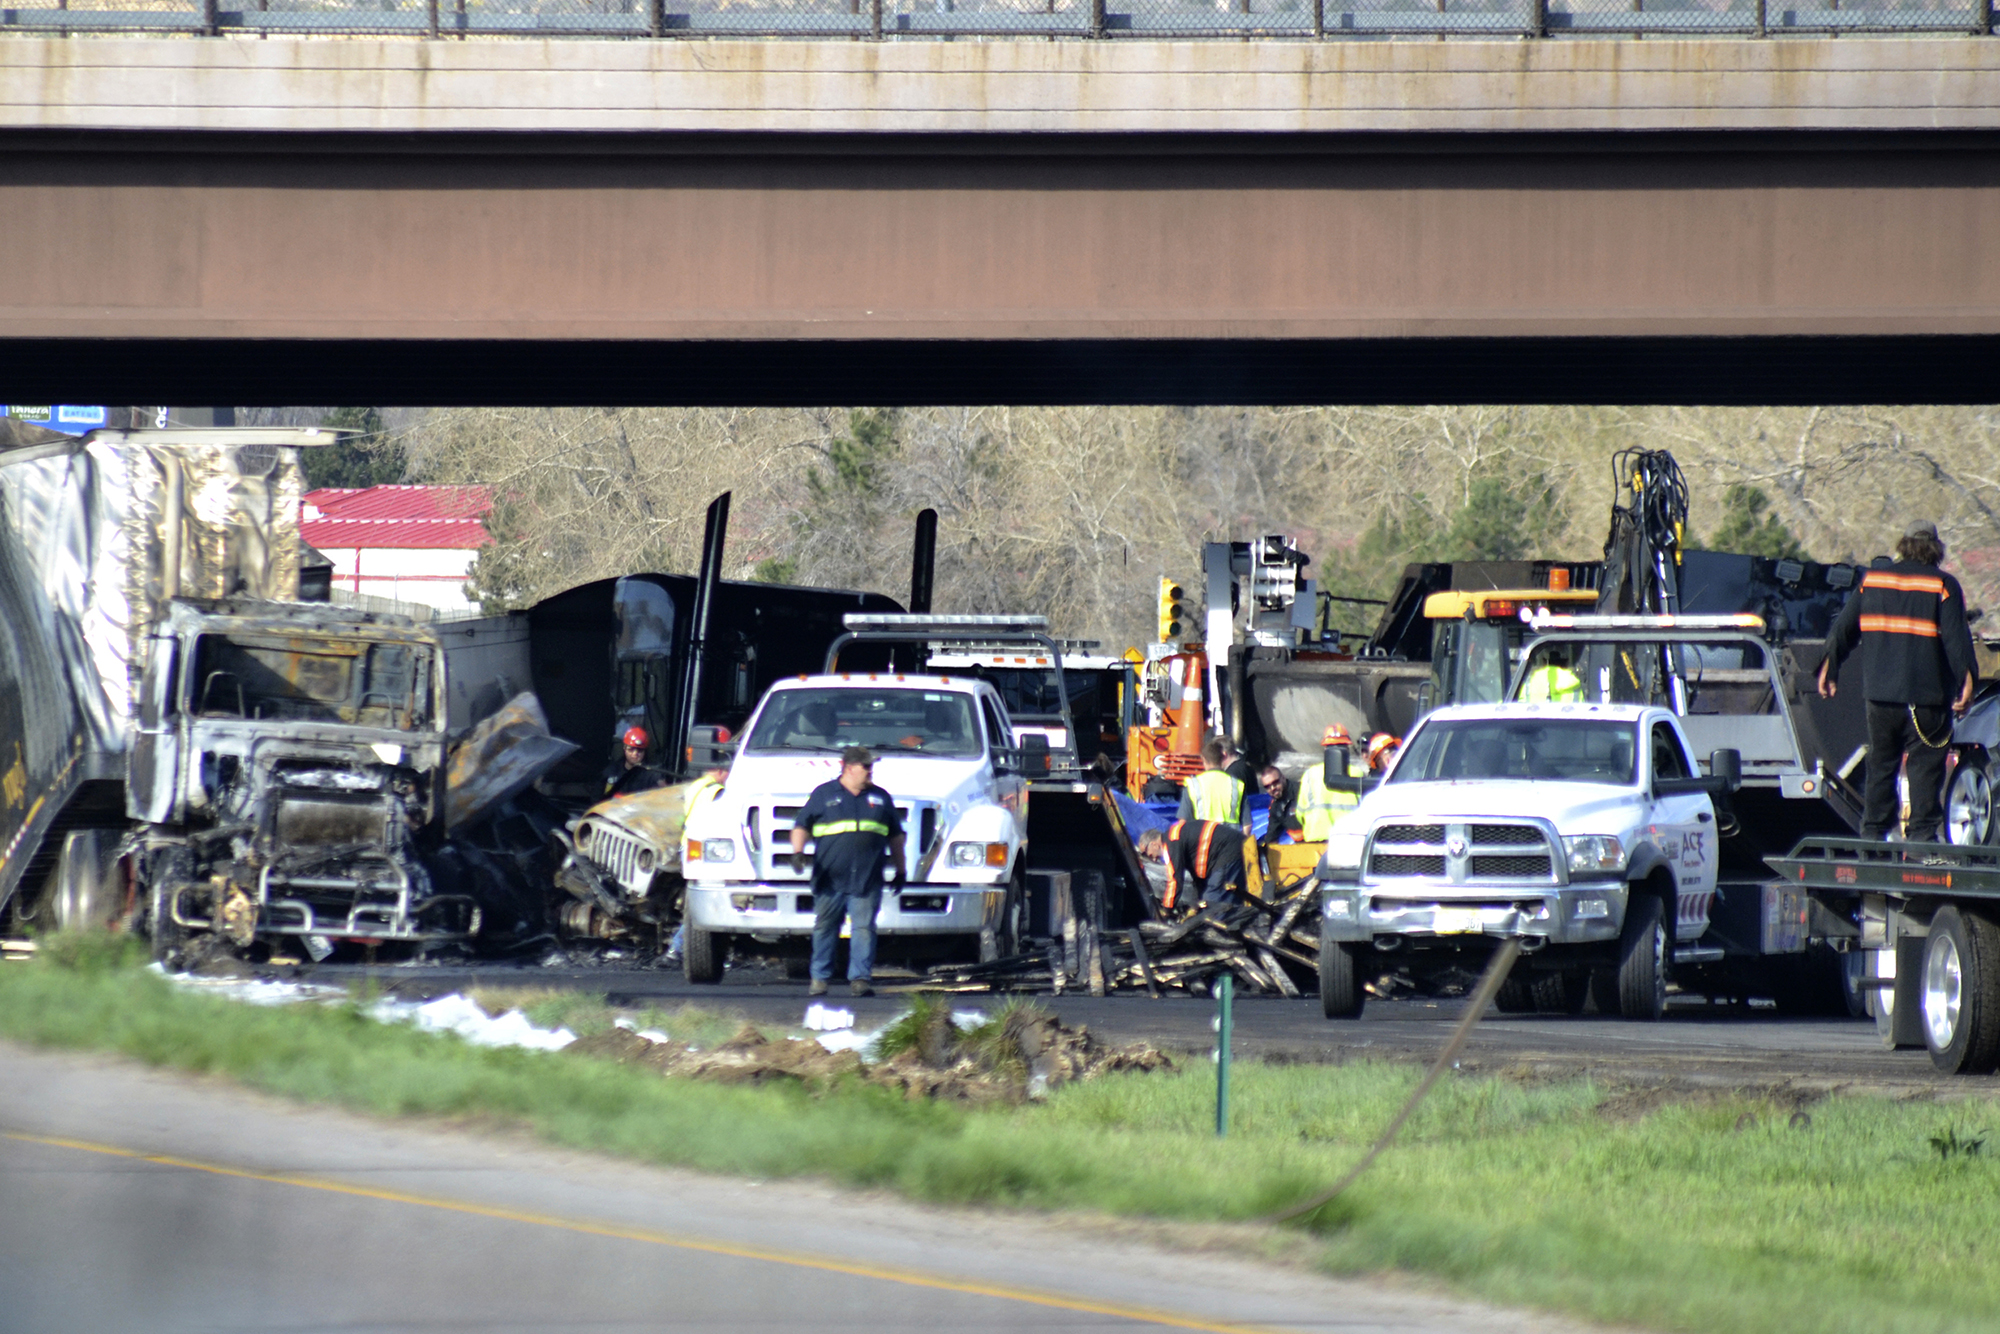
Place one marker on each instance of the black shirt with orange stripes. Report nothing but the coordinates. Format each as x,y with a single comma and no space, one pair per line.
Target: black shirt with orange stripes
1909,621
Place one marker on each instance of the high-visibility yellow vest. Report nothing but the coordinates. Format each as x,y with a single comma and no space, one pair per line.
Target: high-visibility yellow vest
702,791
1552,684
1216,796
833,827
1319,806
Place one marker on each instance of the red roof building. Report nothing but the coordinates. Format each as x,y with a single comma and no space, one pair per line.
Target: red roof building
408,543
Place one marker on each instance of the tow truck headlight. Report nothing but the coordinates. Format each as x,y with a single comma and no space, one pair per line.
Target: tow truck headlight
718,849
1343,850
978,854
1594,854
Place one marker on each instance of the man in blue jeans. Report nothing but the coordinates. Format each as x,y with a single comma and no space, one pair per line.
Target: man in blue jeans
852,823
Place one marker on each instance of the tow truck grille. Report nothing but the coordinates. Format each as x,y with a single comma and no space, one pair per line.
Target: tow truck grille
1506,836
1511,867
919,820
1390,863
1489,852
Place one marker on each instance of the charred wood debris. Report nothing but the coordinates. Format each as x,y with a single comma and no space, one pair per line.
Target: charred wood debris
1270,946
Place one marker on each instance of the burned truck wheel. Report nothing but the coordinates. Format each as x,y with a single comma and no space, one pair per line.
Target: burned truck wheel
1515,995
168,871
1641,978
168,939
1340,993
701,955
1961,993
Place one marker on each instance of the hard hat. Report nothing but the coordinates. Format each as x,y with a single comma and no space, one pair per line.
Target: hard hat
1336,735
1381,744
636,736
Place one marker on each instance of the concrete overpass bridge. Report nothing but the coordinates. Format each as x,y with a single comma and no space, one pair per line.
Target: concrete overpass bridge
267,218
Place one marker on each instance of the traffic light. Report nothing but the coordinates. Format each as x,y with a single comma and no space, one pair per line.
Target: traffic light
1176,621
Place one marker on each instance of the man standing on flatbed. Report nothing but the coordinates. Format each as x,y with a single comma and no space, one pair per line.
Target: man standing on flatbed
852,823
1918,669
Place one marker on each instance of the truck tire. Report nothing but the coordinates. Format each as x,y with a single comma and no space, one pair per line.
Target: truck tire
1002,939
86,893
1340,993
1968,804
1641,978
1961,993
169,941
1563,992
165,871
701,956
1516,994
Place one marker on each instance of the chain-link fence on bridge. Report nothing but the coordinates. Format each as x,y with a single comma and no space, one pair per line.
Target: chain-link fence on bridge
1102,19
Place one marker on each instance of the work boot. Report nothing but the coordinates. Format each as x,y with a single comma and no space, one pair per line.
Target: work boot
818,987
860,987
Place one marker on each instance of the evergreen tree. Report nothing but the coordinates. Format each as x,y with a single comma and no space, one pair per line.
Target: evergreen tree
502,577
1748,530
367,456
1503,519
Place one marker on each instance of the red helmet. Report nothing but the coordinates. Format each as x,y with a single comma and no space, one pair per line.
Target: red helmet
1379,748
636,736
1336,735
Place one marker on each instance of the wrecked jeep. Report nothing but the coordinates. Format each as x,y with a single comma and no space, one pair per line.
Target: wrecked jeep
621,869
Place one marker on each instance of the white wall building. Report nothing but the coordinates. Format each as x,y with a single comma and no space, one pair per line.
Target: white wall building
405,543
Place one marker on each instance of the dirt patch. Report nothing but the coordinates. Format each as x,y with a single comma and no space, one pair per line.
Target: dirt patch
1016,1057
747,1058
1783,1102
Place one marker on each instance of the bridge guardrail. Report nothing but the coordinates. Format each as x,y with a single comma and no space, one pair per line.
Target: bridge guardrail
937,19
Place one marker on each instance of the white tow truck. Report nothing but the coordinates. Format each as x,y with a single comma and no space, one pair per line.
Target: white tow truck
1584,829
945,749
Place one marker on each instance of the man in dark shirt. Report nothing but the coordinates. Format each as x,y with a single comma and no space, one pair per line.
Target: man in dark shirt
1204,862
1284,804
634,774
1918,670
1236,766
851,822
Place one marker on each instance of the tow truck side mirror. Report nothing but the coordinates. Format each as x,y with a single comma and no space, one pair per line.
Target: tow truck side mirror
1725,775
1035,757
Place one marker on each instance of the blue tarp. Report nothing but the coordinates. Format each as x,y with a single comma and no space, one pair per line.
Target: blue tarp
1159,814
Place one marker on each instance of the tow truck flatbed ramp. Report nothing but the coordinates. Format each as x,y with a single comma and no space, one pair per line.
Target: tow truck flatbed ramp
1925,918
1909,870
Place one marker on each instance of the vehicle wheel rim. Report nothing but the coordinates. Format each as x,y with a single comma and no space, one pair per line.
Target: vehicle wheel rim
1969,807
1943,984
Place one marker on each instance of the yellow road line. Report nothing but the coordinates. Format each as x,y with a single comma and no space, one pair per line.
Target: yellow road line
908,1277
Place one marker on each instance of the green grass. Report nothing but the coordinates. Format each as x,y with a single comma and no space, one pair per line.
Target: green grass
1691,1217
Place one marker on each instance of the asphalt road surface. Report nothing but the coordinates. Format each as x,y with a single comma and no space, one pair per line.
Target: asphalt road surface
135,1200
1697,1045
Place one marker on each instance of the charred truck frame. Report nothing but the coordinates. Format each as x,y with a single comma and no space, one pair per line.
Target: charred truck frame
185,745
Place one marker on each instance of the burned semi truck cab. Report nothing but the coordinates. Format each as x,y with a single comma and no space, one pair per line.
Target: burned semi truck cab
286,775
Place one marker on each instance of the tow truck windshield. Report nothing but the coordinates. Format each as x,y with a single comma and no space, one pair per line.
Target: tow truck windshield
1564,750
927,722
